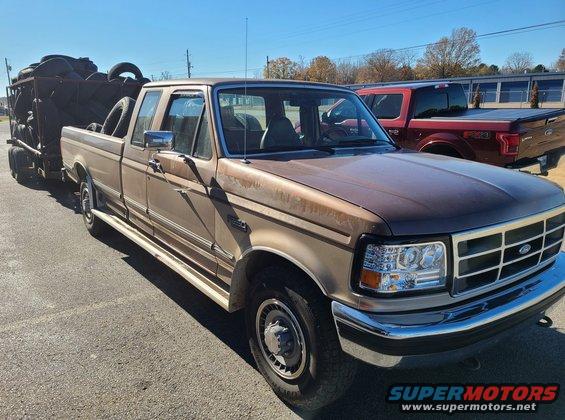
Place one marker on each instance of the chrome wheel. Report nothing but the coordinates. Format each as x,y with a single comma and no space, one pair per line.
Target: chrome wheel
281,339
85,204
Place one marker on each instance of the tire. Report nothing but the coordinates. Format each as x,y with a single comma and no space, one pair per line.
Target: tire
20,159
97,128
23,104
117,121
322,372
26,72
82,65
95,226
87,90
66,91
125,67
47,116
11,162
53,67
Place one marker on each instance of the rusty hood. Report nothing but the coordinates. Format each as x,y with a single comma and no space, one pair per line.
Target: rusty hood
420,193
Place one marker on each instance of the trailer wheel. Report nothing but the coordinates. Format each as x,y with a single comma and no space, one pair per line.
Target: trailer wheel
95,226
20,159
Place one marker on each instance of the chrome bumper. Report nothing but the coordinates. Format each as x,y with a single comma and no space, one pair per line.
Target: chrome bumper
452,333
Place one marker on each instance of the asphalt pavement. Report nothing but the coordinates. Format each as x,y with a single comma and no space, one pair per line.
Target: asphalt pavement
92,328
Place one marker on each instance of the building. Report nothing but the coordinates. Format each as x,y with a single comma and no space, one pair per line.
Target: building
508,90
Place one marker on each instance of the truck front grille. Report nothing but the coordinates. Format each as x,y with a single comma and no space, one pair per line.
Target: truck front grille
506,252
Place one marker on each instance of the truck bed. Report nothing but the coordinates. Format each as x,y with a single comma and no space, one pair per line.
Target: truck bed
98,152
504,114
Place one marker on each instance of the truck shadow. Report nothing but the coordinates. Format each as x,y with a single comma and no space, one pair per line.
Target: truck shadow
227,327
65,194
518,360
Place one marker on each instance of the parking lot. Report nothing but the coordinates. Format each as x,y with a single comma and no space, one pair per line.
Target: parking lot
94,328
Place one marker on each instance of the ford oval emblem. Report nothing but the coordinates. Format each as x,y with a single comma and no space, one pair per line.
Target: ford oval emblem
524,249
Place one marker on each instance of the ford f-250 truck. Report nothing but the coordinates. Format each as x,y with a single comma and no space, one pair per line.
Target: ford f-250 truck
434,118
336,248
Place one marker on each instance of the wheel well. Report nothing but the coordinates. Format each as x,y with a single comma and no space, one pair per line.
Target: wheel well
81,172
442,149
249,266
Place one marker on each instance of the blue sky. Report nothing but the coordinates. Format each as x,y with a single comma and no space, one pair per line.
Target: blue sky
155,35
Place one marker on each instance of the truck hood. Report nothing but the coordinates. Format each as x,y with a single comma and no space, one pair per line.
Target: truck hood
420,193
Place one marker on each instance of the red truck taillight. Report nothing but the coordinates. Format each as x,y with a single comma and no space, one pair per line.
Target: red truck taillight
509,143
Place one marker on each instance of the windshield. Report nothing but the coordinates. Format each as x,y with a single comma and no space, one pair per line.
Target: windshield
270,119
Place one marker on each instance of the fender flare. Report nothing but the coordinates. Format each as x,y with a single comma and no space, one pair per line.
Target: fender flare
240,282
450,140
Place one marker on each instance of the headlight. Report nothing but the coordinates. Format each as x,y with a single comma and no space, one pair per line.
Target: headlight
400,268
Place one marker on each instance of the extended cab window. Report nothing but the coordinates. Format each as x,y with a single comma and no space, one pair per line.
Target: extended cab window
145,116
183,118
439,100
387,105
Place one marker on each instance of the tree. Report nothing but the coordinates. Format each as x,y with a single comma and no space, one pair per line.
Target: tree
477,98
540,68
560,63
166,75
485,70
534,97
322,69
379,66
450,57
518,62
347,72
281,68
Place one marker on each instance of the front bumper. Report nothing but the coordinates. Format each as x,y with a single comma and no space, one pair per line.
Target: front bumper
411,339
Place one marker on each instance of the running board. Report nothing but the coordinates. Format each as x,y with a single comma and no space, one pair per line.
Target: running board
194,277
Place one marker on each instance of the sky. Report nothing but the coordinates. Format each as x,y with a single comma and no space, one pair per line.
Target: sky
156,34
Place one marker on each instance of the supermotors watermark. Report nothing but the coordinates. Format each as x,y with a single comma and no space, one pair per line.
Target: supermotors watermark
458,398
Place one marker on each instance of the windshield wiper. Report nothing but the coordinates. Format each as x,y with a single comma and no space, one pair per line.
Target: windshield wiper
365,141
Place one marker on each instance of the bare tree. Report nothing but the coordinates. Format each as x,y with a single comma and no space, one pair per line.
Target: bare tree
380,66
322,69
281,68
450,57
560,63
166,75
518,62
347,72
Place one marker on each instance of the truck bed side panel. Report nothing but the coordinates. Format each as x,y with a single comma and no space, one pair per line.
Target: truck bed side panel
100,155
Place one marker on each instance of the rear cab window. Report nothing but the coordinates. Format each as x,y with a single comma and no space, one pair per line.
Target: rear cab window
145,116
440,100
387,106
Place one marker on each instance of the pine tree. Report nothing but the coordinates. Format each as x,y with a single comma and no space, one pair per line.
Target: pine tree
477,98
534,97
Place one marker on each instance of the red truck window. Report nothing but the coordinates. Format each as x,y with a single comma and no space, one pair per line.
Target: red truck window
387,105
437,101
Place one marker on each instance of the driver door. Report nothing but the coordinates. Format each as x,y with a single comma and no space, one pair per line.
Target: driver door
179,203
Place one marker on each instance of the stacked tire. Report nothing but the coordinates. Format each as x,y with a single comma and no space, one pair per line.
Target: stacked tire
67,91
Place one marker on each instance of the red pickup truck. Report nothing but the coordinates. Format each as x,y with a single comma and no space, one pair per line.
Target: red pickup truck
435,118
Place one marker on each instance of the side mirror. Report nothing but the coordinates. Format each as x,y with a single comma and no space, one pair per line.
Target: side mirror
163,140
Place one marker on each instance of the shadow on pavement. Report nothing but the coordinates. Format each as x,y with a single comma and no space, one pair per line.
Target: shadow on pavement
228,327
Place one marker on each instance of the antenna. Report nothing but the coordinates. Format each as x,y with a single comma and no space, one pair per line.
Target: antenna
244,160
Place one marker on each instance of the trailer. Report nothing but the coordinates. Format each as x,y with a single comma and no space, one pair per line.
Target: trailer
39,106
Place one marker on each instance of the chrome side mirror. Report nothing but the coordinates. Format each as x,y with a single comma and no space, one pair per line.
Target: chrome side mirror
162,140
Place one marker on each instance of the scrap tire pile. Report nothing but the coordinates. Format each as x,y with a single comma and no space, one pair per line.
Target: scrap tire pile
67,91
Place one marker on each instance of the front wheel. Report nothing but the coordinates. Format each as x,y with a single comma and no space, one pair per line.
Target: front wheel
294,341
94,225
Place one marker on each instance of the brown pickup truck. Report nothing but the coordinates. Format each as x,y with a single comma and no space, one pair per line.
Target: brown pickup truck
338,247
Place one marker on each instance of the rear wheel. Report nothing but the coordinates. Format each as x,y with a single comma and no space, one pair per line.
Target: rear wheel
294,341
94,225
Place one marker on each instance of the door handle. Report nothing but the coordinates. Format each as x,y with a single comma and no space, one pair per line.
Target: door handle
155,165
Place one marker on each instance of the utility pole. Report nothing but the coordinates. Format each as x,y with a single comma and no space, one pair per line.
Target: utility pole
188,65
268,67
8,68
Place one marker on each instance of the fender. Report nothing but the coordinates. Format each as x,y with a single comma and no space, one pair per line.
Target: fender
457,143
